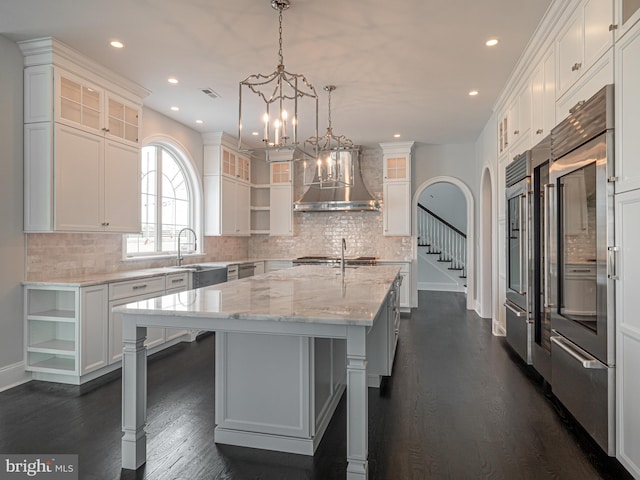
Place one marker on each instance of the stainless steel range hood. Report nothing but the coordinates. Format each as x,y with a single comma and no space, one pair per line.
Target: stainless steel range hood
355,198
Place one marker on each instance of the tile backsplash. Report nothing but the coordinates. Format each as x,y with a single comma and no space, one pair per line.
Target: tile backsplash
65,255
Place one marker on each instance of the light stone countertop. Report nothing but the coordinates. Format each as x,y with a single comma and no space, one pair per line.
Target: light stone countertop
100,278
307,294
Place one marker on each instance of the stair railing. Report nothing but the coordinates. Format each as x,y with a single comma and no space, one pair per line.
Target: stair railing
441,238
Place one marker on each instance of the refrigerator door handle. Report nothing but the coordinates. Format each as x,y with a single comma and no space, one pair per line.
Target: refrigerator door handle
577,353
547,244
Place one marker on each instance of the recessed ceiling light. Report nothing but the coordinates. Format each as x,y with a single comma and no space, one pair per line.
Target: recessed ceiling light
473,93
175,109
492,42
199,122
396,135
255,134
116,44
172,80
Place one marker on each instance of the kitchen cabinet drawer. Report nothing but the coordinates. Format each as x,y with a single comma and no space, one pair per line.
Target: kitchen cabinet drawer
177,281
133,288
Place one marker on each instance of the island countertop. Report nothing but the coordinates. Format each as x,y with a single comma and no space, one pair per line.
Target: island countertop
304,294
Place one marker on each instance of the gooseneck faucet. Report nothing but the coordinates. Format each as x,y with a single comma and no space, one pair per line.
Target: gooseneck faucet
179,258
343,249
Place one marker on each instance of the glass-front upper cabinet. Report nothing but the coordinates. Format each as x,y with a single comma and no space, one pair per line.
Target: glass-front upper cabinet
628,13
79,104
122,120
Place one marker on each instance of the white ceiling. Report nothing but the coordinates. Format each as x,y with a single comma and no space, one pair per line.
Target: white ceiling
400,67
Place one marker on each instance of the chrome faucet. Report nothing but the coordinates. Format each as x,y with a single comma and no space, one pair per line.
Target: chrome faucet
343,249
179,258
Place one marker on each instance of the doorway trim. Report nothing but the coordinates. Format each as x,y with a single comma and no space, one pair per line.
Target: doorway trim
486,271
471,293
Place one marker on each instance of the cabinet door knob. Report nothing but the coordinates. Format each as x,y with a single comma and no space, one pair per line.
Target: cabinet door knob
539,131
516,132
613,26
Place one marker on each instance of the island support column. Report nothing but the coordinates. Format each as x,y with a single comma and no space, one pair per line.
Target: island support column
134,395
357,404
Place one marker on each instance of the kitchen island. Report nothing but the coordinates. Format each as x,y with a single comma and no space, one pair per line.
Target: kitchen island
271,349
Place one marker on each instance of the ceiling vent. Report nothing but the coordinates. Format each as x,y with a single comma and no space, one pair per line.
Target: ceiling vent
210,92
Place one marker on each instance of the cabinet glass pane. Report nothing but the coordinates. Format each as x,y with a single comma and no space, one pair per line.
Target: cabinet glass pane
578,244
131,115
91,117
131,133
70,110
116,109
70,90
116,127
629,7
91,98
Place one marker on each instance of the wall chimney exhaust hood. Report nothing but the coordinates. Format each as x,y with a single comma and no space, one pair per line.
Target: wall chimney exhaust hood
354,197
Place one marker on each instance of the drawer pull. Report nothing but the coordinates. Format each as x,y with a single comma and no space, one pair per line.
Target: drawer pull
138,287
177,280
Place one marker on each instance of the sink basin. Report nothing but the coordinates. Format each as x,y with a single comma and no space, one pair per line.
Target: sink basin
198,267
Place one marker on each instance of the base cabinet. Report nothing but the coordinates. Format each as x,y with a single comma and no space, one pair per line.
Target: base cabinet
627,209
72,336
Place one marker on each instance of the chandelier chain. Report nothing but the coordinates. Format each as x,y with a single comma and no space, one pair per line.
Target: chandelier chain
280,36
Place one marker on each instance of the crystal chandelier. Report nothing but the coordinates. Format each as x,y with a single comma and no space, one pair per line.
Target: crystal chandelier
283,103
333,163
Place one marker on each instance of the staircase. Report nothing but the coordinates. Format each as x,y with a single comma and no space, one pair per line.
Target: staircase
443,244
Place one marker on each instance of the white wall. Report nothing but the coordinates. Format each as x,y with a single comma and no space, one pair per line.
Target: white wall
12,256
452,160
155,123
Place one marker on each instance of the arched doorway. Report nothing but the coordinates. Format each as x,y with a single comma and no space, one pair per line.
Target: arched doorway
485,277
470,268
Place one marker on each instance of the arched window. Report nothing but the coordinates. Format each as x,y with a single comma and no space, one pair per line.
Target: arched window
168,204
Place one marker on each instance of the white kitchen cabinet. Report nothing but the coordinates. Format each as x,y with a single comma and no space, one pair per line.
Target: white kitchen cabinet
273,265
404,287
96,184
65,331
627,99
543,98
627,268
396,188
587,35
81,144
227,188
281,199
382,339
94,344
121,293
627,14
258,268
519,115
590,83
176,283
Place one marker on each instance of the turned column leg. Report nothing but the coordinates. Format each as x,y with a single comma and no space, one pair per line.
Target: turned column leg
134,395
357,404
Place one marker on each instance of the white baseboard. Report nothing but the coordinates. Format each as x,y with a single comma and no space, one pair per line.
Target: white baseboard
13,375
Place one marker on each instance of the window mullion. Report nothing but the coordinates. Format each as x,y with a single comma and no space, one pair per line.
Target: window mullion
159,199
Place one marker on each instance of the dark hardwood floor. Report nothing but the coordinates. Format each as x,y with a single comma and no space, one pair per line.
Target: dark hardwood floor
460,405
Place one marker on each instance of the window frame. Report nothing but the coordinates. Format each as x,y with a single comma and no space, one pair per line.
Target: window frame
194,189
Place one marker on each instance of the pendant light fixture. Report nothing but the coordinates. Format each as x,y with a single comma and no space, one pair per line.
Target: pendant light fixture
283,105
333,163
